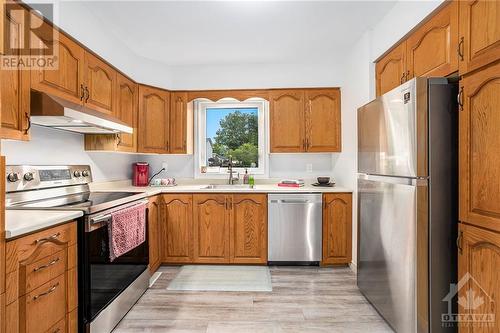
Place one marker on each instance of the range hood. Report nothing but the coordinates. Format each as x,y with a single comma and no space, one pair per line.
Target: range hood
51,111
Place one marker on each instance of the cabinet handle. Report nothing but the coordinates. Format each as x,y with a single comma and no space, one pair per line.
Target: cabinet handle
119,139
459,242
402,78
53,262
407,77
54,287
28,119
52,239
87,93
460,49
460,98
82,92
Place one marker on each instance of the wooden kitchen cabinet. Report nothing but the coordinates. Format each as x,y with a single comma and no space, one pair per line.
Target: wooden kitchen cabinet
154,220
390,71
42,283
248,235
337,228
323,127
287,121
432,48
211,219
478,275
176,229
2,246
479,148
181,124
15,89
100,84
154,120
479,41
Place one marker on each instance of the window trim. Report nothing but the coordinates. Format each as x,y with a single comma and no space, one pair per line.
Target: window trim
200,106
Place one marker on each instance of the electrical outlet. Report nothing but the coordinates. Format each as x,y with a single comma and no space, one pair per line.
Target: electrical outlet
309,168
164,165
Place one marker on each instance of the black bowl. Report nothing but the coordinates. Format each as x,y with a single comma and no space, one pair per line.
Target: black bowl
323,180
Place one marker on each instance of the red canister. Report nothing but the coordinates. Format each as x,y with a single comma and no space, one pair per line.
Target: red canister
141,174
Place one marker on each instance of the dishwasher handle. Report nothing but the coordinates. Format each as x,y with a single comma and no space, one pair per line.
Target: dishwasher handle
291,201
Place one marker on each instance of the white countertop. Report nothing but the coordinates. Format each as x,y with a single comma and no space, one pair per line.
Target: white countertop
20,222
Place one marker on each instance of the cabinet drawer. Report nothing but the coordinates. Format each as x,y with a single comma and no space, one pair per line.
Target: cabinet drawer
45,305
43,270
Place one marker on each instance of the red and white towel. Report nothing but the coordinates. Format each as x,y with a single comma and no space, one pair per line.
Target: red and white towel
126,230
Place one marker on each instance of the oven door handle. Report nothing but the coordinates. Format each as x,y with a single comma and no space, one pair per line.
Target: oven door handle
103,218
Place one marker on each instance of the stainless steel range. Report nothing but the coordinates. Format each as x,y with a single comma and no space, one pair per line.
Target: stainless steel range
107,290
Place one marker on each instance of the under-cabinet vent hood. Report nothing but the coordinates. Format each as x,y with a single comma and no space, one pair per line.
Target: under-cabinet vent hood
55,112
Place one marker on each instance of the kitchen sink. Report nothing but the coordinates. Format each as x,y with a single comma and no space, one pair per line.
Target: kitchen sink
228,187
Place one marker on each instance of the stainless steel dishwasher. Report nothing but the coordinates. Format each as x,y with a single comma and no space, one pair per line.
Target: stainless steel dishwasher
294,228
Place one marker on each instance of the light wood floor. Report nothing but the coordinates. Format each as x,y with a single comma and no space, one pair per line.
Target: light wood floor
304,299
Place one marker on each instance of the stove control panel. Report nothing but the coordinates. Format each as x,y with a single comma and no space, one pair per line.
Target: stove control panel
27,177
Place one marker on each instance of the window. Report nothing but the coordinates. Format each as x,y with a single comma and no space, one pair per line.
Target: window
231,129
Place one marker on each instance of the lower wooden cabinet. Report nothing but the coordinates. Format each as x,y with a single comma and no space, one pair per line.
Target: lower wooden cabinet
154,219
337,228
176,229
42,282
479,278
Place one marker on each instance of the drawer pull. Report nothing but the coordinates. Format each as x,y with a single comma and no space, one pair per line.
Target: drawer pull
54,287
53,262
57,330
52,239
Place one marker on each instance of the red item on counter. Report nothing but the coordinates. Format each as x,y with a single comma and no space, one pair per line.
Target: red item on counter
290,185
140,174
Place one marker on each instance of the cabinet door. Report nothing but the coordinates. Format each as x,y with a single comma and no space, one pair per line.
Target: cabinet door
479,148
2,228
126,110
154,218
153,136
249,229
287,121
480,30
179,123
211,228
390,71
15,89
100,83
432,49
323,120
176,229
66,81
337,228
479,278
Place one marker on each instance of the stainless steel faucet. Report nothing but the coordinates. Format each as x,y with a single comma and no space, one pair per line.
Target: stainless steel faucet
231,180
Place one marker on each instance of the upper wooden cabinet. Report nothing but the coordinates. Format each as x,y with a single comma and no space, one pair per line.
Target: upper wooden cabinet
154,220
176,229
323,133
305,120
337,228
100,84
126,109
432,48
248,236
181,124
479,33
154,120
479,148
390,71
478,275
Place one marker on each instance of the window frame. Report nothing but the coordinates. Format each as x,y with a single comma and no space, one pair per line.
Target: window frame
201,105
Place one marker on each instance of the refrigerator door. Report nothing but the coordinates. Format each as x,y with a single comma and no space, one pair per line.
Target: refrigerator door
392,233
392,132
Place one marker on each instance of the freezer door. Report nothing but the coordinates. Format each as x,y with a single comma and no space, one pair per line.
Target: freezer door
392,132
389,231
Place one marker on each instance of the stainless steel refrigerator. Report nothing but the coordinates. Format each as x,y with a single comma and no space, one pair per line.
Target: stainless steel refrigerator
407,203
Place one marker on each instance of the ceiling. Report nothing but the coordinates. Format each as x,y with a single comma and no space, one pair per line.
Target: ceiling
183,33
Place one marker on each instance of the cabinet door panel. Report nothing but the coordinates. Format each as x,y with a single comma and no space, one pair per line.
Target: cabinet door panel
390,69
211,228
337,228
126,110
480,148
153,120
480,30
154,218
323,120
179,123
177,228
249,229
432,49
100,80
479,278
287,121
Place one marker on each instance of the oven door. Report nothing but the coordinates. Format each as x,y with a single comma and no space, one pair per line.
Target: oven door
101,280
